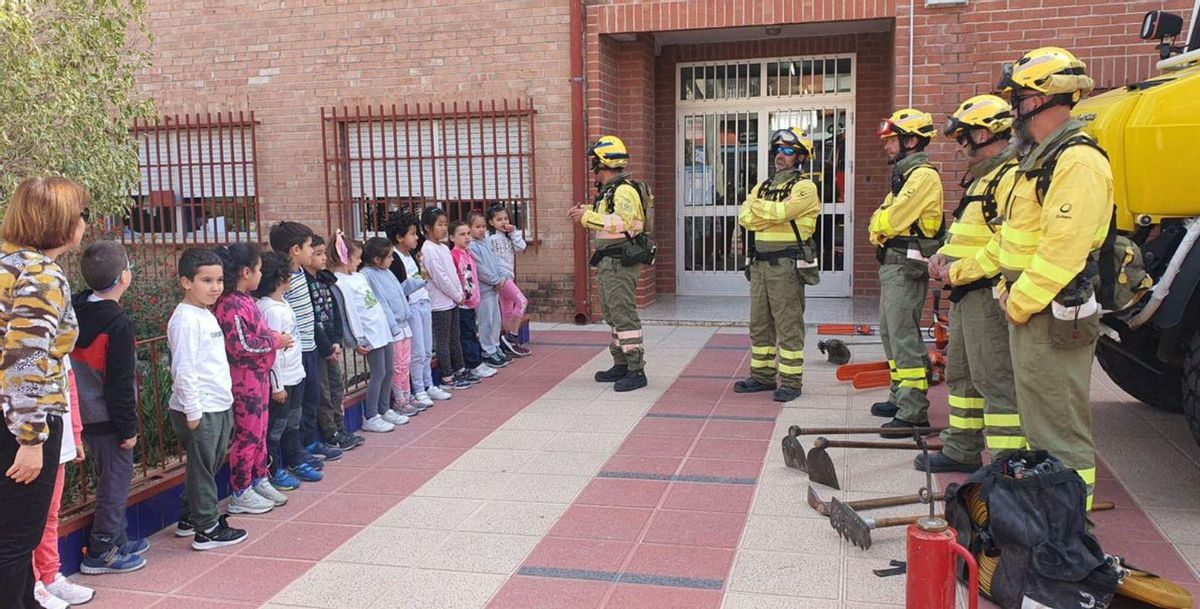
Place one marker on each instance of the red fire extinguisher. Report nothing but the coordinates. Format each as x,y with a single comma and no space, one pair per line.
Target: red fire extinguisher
931,551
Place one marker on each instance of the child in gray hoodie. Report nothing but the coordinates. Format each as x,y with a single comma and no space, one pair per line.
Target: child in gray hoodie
491,277
377,262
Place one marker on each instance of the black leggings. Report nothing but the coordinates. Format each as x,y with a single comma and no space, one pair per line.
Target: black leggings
447,342
23,511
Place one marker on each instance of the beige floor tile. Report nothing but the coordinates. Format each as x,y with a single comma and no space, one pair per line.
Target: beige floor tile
463,485
565,464
863,586
541,488
494,460
565,407
429,589
429,512
621,423
540,421
801,574
582,390
517,439
379,545
325,585
585,442
1192,554
782,501
742,600
798,535
1180,526
514,518
480,553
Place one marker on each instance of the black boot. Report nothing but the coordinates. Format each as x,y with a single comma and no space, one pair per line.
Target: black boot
902,428
612,375
940,463
752,385
886,410
634,379
786,394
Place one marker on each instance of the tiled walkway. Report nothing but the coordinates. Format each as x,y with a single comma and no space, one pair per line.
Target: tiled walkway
542,489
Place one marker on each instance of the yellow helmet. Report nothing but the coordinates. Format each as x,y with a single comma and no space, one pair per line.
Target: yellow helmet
608,152
793,137
980,112
907,122
1049,71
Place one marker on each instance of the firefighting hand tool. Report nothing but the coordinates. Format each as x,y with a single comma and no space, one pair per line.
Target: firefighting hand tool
845,329
820,465
793,451
823,507
856,529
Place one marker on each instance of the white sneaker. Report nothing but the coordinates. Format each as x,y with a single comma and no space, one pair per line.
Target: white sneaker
47,600
438,393
250,502
69,591
266,491
395,418
378,424
423,399
484,371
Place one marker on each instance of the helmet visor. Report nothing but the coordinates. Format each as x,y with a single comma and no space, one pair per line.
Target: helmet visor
887,129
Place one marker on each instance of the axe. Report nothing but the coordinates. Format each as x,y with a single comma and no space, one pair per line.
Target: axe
820,465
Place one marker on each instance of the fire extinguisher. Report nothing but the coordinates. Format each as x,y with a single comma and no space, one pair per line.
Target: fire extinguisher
932,546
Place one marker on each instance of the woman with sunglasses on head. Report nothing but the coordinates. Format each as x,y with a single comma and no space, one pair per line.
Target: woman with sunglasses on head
780,215
46,218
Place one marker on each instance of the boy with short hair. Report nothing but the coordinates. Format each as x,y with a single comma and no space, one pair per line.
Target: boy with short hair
294,240
104,360
201,398
330,342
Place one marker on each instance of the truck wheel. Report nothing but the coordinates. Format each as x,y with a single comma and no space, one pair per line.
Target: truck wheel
1161,391
1191,386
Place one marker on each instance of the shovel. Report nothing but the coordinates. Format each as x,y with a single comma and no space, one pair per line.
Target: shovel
823,507
820,465
794,453
856,529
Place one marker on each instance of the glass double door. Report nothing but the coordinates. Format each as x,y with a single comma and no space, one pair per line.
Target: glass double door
722,155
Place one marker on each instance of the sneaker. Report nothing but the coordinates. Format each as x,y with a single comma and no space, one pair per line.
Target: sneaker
282,480
394,418
314,462
329,453
495,360
418,406
634,379
249,502
612,375
378,424
133,546
45,599
462,383
69,591
184,528
423,398
752,385
406,409
344,441
510,343
306,473
438,394
112,561
270,493
219,536
484,371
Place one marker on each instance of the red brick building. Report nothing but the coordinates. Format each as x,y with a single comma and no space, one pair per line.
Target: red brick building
361,106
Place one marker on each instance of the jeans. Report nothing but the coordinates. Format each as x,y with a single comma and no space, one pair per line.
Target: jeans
115,468
23,512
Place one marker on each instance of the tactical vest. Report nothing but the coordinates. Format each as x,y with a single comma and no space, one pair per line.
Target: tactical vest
636,249
927,244
987,198
776,193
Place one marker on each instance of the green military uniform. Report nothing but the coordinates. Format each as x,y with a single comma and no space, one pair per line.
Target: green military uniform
979,369
616,211
1046,250
906,229
781,215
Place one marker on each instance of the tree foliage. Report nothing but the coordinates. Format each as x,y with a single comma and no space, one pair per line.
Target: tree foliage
68,94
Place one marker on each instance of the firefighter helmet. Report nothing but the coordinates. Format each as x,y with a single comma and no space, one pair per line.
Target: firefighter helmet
608,152
792,137
1049,71
908,122
980,112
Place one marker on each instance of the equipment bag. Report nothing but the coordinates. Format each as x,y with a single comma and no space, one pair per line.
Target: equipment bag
1024,519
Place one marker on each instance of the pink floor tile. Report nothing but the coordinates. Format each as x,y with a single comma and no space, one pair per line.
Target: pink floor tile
401,436
298,500
728,340
709,497
452,438
388,481
337,475
114,598
748,450
299,540
703,385
348,509
255,525
697,402
1123,524
655,446
712,529
167,569
657,597
476,420
721,467
426,457
370,455
253,579
669,427
745,430
623,493
746,405
1156,557
182,602
680,561
549,593
587,554
646,465
622,524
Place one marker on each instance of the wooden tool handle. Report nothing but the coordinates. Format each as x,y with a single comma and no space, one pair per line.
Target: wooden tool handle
816,431
827,443
870,504
896,521
1103,506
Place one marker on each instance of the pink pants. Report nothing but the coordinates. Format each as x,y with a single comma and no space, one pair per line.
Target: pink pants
512,303
45,557
401,385
248,444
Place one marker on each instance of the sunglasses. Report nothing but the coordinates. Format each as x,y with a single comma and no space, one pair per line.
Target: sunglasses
86,214
788,150
1017,99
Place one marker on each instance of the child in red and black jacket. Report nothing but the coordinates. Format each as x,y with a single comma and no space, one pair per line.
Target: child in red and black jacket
104,360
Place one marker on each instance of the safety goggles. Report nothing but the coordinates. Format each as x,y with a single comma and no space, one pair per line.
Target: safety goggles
788,150
887,129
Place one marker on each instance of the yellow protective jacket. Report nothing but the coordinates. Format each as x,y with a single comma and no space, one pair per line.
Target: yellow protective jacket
773,205
914,206
1043,245
992,181
626,213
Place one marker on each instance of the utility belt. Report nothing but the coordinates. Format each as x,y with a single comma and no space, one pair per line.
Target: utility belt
634,250
958,292
612,251
923,246
792,254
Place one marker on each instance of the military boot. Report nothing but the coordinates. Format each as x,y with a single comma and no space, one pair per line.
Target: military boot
612,375
634,379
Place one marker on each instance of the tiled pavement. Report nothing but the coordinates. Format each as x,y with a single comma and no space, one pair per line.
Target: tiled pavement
541,489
